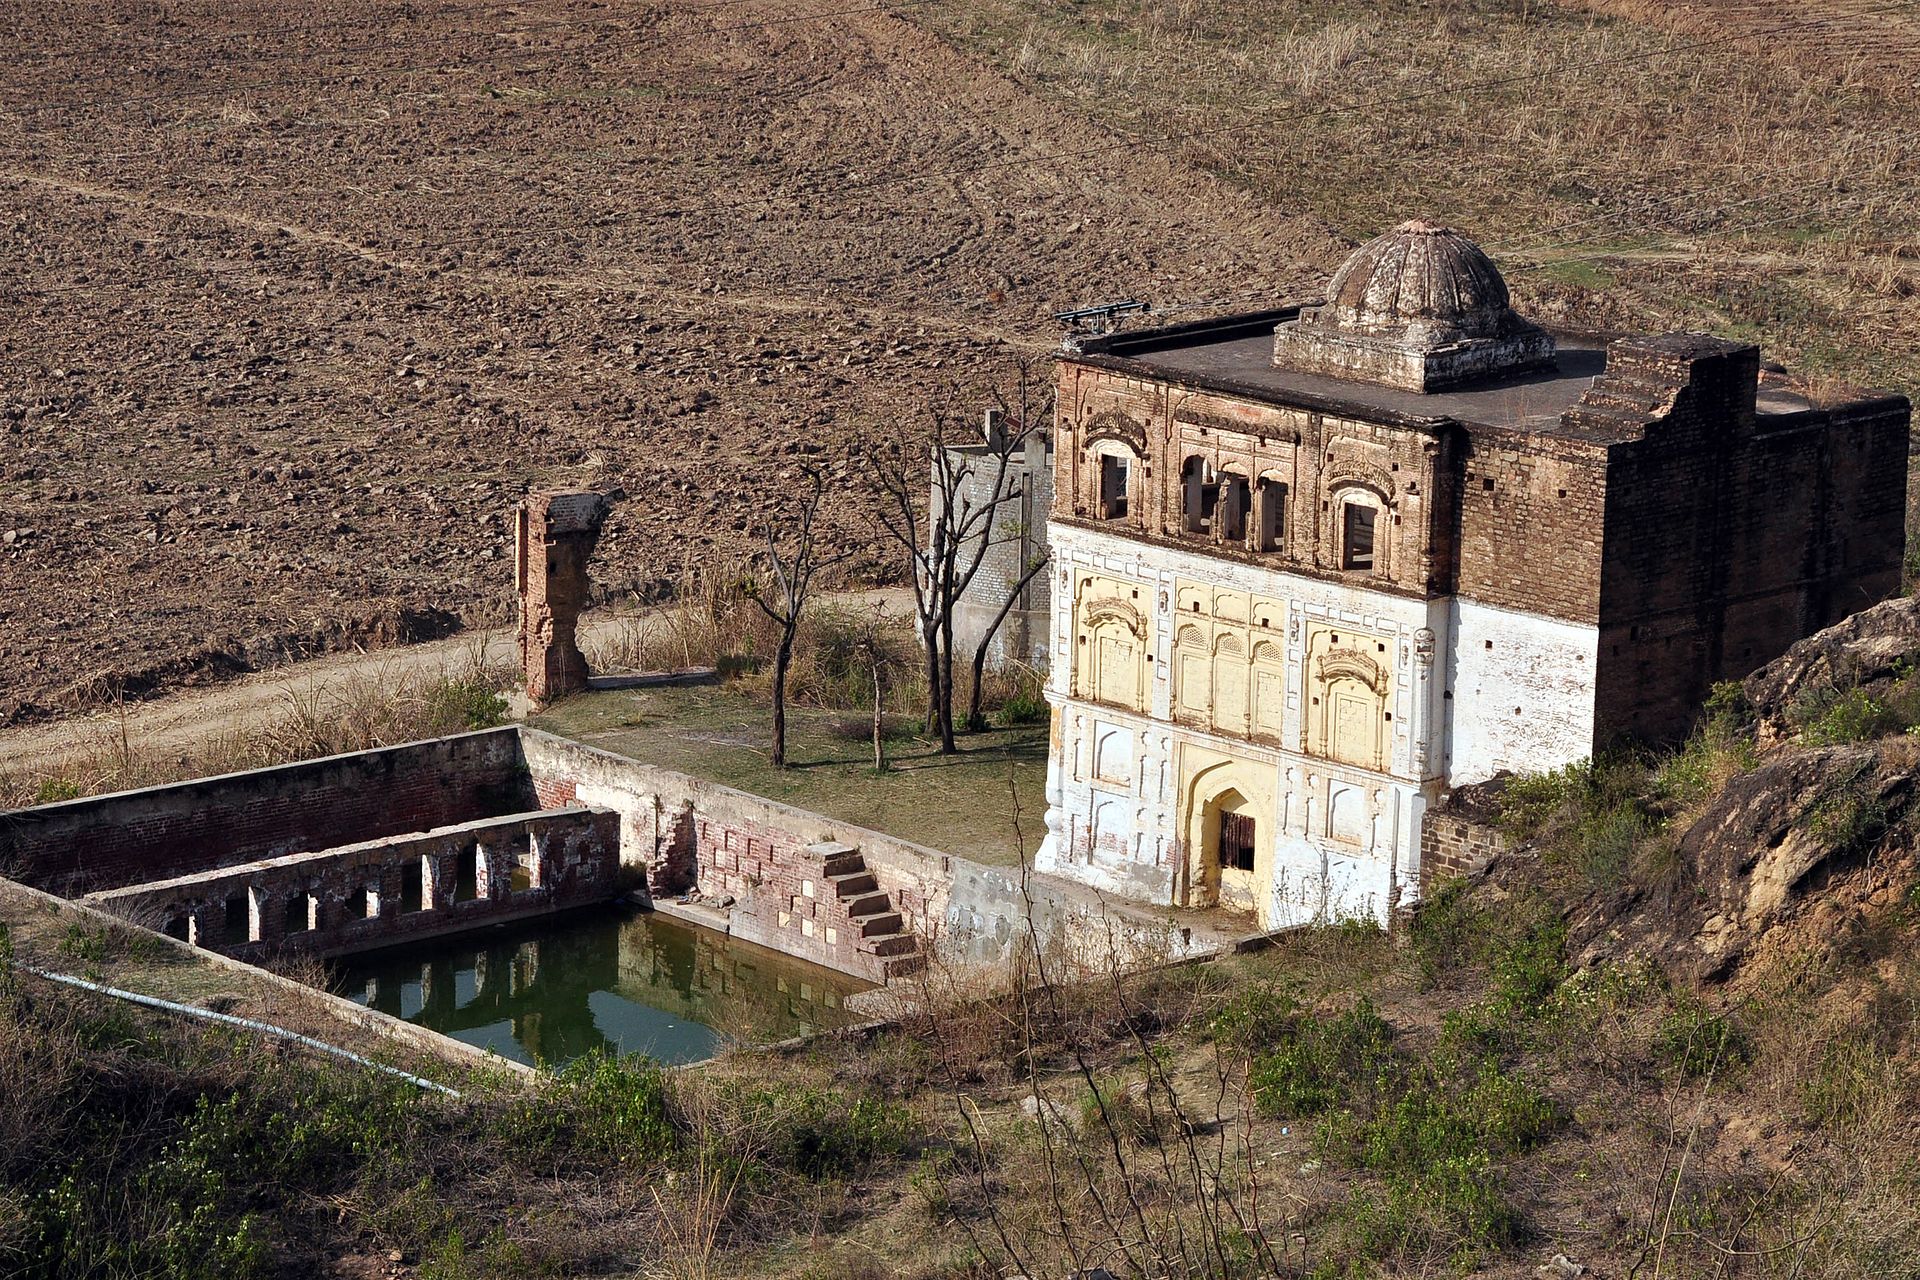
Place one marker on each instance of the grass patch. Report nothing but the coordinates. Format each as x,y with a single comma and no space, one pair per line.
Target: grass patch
959,804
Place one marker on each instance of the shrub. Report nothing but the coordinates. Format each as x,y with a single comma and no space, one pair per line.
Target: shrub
1831,717
1850,816
1694,1040
469,702
821,1133
1321,1061
54,790
1258,1016
1447,930
1125,1109
1027,704
599,1106
1590,815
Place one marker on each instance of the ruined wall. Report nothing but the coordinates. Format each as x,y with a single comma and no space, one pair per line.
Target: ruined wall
1730,533
554,537
109,841
379,892
1456,841
1018,538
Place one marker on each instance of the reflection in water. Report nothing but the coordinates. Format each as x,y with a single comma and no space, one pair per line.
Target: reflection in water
550,991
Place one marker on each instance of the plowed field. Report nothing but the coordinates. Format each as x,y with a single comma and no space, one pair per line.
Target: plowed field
295,302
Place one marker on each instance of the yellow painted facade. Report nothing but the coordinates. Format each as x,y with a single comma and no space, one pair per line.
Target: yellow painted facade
1112,641
1213,784
1229,662
1349,691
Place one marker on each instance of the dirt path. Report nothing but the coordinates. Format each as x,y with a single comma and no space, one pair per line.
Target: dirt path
184,721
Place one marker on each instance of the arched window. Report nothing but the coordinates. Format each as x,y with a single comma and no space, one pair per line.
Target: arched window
1199,494
1360,531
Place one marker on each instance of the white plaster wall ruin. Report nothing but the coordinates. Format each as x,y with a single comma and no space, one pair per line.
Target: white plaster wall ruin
1523,691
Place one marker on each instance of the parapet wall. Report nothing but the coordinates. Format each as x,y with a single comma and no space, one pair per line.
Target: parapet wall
751,848
389,890
107,842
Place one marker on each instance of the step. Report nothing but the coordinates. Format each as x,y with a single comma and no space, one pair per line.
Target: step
836,858
874,926
890,944
843,864
869,904
901,966
854,884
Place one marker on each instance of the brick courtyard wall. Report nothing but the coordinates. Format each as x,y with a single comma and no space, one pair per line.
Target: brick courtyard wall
109,841
759,852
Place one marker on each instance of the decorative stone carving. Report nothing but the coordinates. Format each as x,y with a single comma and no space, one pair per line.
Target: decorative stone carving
1351,664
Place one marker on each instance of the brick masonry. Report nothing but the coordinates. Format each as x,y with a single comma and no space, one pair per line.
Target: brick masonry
106,842
554,534
1017,538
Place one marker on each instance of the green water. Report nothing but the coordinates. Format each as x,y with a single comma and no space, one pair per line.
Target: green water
549,991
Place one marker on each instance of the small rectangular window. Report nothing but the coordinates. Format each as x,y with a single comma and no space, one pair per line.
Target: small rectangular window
1356,543
1113,487
466,876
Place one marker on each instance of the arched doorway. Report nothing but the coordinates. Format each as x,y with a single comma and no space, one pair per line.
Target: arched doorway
1230,835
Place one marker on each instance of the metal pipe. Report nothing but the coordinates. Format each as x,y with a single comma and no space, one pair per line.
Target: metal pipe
250,1024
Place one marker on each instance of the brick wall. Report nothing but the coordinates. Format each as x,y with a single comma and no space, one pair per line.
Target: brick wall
1460,834
1531,522
966,912
110,841
1728,536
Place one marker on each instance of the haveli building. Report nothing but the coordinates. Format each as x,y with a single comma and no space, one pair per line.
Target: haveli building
1316,566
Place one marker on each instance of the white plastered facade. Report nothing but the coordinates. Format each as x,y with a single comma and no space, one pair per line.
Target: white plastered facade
1137,770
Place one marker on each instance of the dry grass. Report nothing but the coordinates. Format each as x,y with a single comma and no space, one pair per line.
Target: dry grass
1619,182
370,708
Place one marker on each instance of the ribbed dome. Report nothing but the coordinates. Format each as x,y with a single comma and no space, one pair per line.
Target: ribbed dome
1423,279
1419,308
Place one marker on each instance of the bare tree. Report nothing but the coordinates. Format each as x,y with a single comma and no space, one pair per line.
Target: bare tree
944,501
870,644
784,599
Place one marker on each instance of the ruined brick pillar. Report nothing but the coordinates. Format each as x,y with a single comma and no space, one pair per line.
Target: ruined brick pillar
554,535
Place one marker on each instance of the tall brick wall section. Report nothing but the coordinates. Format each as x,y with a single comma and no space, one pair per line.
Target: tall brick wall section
1728,536
1019,535
109,841
1532,519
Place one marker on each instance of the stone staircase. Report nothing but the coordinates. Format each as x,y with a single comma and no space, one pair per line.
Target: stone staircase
882,933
